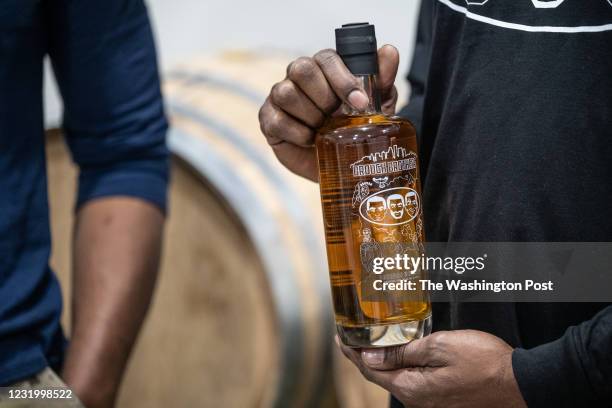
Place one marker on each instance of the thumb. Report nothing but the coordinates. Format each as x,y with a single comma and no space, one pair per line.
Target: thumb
414,354
345,85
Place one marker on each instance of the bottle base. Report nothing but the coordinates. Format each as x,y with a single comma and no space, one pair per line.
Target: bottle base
384,335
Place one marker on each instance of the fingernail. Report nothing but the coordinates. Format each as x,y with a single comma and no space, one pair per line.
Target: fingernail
358,99
337,340
373,357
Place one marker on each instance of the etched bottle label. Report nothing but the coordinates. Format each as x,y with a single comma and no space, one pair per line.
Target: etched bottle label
372,209
386,195
387,207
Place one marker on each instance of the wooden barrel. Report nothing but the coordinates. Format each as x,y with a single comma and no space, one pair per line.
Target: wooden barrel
242,314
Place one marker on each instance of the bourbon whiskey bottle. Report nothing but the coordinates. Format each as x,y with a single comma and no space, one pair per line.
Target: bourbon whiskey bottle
371,198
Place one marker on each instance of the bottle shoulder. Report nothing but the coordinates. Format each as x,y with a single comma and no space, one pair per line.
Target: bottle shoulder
352,129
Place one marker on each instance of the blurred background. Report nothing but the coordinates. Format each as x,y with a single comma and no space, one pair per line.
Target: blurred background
242,315
185,28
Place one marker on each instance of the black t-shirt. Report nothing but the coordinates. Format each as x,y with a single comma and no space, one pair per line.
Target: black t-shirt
513,102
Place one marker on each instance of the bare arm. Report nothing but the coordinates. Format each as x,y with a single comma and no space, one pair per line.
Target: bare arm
117,242
104,59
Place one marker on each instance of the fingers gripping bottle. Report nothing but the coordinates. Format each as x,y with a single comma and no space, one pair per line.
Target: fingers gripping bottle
371,198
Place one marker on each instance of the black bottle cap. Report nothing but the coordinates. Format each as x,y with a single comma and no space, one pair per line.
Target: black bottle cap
356,45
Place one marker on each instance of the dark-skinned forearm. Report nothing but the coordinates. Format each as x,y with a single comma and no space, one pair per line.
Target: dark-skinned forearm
117,244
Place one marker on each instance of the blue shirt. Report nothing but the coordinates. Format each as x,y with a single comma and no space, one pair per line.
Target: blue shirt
104,59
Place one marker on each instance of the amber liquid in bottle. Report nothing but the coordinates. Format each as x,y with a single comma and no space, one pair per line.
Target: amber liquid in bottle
371,199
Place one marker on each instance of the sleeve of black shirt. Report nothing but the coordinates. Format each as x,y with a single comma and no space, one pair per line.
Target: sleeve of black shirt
573,371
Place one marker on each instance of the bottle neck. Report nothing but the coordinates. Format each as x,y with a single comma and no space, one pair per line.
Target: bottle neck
369,83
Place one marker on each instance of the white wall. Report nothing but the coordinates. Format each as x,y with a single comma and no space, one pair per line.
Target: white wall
187,27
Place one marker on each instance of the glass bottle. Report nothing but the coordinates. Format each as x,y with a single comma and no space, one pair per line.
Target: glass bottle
371,199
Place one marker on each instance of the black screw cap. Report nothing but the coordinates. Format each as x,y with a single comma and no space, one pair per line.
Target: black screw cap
356,45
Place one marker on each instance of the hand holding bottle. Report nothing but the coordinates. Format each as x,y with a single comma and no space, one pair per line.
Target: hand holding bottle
313,89
366,162
460,368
